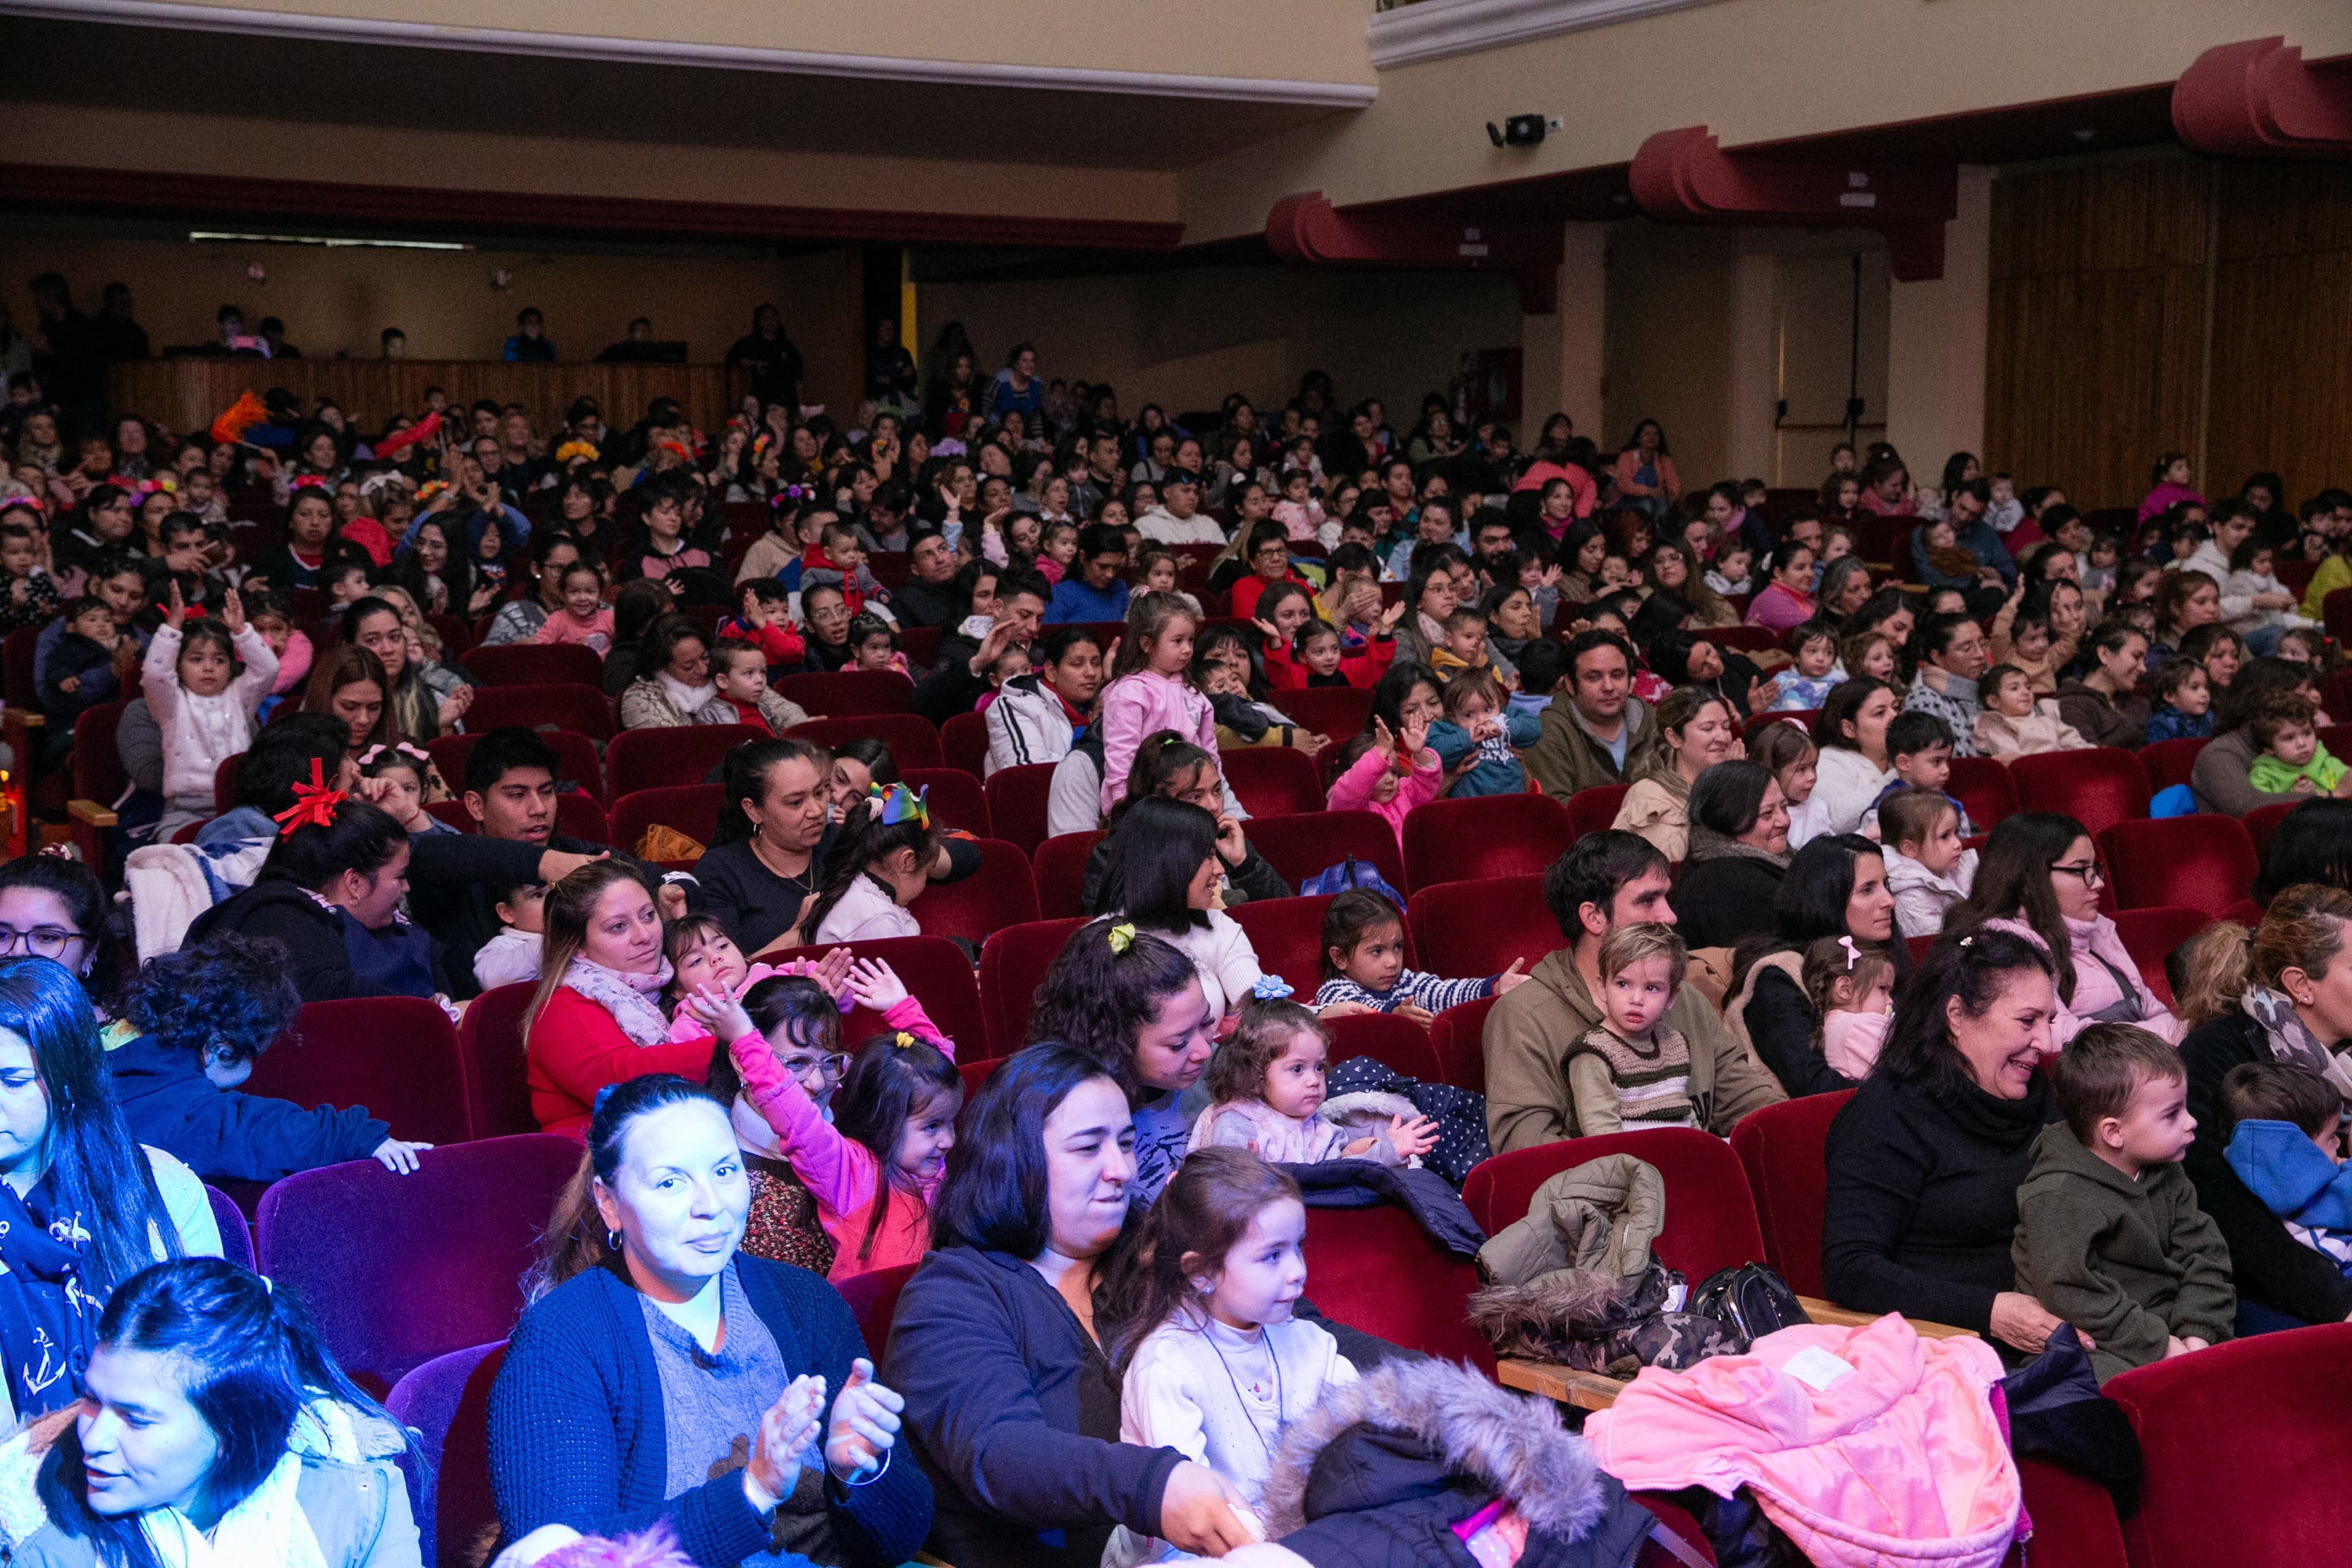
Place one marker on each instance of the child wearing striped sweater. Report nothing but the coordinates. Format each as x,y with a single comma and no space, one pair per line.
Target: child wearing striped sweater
1364,970
1633,1071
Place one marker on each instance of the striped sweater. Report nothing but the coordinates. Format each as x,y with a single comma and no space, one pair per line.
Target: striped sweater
1413,985
1651,1077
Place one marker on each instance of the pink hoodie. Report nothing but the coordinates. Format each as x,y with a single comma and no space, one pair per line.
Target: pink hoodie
1352,790
1139,704
1870,1447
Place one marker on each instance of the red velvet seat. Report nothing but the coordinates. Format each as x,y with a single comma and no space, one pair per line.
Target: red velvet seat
2337,739
1458,1036
921,645
1061,868
1592,810
2335,613
236,1232
491,1047
691,809
1017,800
1466,929
1002,892
1272,781
1306,843
2075,1523
2167,763
2201,862
1483,837
873,1299
1983,787
1744,639
576,761
98,782
1780,1147
1398,1043
530,664
936,973
963,743
676,754
1338,712
1801,719
2098,787
2246,1451
1289,936
1355,1260
1710,1219
2263,822
957,804
398,1055
974,1074
2150,933
849,693
446,1402
582,709
577,816
399,1269
912,741
1013,964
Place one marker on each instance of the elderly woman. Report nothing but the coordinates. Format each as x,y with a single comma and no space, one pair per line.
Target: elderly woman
1738,852
1924,1161
1835,887
664,1376
2286,997
1011,1404
1697,730
2039,878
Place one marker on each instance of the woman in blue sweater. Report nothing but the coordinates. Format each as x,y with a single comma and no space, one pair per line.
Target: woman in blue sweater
664,1377
1012,1406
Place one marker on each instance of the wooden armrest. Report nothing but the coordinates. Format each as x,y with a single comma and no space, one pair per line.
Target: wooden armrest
90,812
1584,1390
1835,1316
24,718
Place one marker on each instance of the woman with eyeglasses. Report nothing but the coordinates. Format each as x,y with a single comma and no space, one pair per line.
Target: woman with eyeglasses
51,907
2040,877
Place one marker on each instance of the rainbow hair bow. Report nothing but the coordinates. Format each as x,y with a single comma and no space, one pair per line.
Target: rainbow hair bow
895,803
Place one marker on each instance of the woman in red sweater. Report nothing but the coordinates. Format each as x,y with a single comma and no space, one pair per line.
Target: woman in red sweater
598,1019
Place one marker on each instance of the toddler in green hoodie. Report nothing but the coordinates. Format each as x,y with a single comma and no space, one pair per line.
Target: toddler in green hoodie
2109,1235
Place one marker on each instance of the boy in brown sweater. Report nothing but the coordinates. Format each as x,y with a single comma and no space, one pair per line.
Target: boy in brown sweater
2109,1235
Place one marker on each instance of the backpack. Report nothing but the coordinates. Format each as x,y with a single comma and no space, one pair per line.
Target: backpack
1750,1298
1349,874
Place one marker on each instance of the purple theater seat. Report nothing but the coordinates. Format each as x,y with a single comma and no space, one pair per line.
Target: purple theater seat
236,1235
447,1402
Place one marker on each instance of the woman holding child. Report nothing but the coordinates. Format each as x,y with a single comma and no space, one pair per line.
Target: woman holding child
1833,914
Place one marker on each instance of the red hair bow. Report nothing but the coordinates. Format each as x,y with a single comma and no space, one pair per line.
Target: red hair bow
314,803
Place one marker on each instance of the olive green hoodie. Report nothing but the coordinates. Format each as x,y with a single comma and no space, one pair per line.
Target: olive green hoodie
2129,1263
1566,758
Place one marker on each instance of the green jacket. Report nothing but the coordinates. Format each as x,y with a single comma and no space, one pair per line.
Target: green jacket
1531,1036
2128,1263
1566,758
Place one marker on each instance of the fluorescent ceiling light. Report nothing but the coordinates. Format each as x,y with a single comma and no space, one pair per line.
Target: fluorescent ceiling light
205,233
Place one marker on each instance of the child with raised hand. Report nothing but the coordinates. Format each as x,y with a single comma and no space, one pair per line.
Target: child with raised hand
701,953
1927,868
1852,988
2293,762
2109,1235
2283,1124
585,618
1317,656
1151,692
203,703
765,623
875,1166
1478,741
1214,1362
1364,969
1265,1088
407,773
1633,1070
2014,723
880,863
1805,684
1376,776
2181,700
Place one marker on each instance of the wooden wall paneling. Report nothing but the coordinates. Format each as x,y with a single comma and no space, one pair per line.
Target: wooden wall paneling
2282,394
187,395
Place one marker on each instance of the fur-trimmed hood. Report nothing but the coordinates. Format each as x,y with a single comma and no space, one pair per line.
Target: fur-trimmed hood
1345,1455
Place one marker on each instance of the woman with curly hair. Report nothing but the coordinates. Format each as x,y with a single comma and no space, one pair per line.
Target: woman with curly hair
198,1019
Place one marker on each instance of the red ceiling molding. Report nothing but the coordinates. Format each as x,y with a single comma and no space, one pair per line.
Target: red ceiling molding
1306,230
2260,99
214,197
1685,176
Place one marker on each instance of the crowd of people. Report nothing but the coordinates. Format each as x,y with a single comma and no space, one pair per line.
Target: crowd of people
1106,1351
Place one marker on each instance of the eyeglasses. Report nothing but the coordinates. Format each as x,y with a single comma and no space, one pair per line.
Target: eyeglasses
41,941
2091,871
829,1067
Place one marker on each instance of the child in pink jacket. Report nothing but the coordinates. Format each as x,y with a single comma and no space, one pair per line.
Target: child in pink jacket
1373,778
1151,693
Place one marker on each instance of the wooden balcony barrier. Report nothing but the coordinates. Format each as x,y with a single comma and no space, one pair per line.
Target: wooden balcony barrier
187,395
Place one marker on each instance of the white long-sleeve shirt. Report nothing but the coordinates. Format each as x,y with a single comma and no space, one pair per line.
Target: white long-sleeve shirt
1224,959
200,733
1845,787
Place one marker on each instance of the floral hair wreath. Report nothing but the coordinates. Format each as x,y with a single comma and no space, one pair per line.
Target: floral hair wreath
429,489
314,803
571,449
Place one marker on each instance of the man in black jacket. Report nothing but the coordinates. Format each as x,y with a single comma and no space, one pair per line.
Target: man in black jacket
928,597
959,679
